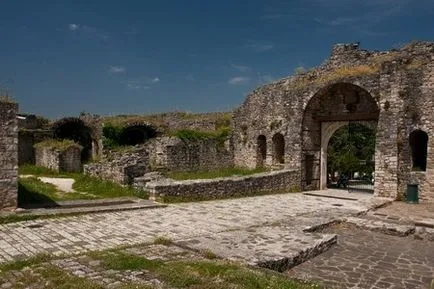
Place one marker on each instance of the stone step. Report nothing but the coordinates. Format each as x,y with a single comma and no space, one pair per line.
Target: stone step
274,248
389,227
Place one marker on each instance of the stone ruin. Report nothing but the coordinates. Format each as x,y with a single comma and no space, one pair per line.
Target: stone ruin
282,125
288,123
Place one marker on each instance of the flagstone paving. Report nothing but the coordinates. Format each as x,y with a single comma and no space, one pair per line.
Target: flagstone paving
78,234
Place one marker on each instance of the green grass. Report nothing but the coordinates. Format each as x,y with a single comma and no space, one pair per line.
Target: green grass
227,172
201,274
31,190
161,240
20,264
60,145
51,277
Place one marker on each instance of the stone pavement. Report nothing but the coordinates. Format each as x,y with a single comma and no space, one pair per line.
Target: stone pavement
365,259
78,234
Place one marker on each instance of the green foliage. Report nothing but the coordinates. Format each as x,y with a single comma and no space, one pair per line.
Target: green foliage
112,135
299,70
351,149
220,173
61,145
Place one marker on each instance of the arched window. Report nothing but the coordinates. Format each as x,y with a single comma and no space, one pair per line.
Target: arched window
261,150
419,148
278,149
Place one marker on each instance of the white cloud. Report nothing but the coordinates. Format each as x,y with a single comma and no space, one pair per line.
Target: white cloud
73,26
155,80
238,80
133,84
241,68
117,69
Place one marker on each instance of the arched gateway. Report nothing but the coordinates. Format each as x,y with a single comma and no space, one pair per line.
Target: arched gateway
391,92
331,108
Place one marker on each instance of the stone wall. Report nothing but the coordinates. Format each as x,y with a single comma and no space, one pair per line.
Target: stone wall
65,160
162,153
393,88
121,167
8,155
173,154
221,187
32,130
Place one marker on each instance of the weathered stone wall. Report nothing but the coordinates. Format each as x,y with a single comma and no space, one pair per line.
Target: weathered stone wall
8,155
222,187
121,167
398,85
27,138
67,160
32,130
163,153
173,154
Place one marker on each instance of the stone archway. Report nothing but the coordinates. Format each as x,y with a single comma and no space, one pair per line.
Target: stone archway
328,110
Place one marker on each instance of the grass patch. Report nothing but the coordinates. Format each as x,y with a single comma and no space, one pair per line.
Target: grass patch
103,188
20,264
51,277
227,172
61,145
202,274
161,240
37,171
33,191
208,254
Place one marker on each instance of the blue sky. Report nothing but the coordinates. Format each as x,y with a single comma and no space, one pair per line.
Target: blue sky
116,57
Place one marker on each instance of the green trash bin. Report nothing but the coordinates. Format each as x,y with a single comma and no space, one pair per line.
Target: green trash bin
412,194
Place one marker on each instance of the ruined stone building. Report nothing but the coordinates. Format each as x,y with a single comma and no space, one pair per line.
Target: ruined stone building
289,122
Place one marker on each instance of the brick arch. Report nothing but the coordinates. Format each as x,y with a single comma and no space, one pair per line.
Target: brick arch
331,106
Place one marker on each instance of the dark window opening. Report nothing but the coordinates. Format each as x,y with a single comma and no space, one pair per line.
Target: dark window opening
309,169
278,149
419,148
261,150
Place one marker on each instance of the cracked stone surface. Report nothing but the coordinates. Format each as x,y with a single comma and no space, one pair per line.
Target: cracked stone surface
78,234
277,248
366,259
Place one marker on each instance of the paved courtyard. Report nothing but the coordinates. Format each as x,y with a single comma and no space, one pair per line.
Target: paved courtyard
178,222
276,231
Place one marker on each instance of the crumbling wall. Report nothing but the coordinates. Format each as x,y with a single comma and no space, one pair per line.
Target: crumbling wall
65,160
121,167
8,155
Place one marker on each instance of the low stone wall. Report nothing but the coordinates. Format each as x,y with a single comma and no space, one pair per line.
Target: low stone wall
8,155
68,160
121,167
221,187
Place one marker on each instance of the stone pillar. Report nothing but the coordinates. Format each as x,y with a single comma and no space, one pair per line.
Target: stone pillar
8,155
